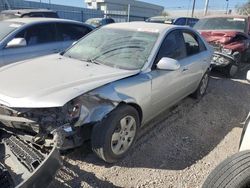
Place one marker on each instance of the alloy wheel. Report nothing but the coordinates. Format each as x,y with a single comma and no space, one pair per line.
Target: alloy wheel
124,135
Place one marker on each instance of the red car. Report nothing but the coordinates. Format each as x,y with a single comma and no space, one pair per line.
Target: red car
229,36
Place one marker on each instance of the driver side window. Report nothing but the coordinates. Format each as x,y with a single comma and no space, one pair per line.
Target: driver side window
173,47
38,34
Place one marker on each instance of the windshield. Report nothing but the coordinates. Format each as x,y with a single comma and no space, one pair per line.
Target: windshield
7,16
7,28
117,48
221,24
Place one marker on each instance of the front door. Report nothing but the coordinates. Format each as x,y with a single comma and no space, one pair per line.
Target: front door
167,85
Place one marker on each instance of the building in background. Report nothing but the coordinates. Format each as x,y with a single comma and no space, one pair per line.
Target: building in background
119,9
67,12
199,13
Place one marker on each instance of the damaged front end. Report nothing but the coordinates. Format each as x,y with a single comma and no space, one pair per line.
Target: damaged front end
71,123
223,56
229,46
30,138
25,162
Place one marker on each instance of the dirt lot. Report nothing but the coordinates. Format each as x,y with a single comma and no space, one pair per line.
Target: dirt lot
178,149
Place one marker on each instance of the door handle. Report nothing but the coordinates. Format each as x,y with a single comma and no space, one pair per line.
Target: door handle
184,69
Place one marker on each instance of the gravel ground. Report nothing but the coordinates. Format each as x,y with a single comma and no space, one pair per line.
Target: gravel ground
177,149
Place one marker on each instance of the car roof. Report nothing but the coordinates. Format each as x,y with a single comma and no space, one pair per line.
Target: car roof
26,11
142,26
39,20
226,16
171,17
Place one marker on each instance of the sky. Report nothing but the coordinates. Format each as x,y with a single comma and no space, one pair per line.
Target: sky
168,4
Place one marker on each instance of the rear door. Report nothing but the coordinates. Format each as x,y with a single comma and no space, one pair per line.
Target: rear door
196,61
69,33
41,40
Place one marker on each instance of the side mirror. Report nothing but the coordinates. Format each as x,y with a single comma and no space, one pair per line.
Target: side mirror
168,64
248,76
17,42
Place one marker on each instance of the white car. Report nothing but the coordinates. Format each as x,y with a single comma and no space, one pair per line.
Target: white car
234,172
26,38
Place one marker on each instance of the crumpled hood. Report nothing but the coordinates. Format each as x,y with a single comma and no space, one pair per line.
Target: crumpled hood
52,81
222,37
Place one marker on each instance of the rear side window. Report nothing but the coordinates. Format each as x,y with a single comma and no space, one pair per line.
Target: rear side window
109,21
181,21
192,22
41,14
193,43
38,34
50,15
69,32
34,15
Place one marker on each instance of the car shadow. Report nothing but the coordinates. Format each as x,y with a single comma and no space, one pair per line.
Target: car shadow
186,133
73,176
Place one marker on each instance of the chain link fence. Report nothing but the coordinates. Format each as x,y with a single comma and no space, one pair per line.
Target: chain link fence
66,12
122,16
69,12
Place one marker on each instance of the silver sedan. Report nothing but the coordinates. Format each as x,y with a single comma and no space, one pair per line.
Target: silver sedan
106,86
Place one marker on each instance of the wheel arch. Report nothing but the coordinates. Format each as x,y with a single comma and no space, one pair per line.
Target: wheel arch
135,106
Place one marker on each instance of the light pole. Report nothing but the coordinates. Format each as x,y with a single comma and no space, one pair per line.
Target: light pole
193,8
206,7
227,6
128,12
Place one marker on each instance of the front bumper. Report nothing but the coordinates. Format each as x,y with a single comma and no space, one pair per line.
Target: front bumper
28,164
221,59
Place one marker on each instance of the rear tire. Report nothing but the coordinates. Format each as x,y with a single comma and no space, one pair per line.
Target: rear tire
202,88
233,172
114,136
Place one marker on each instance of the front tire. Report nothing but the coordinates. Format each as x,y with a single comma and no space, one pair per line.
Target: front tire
234,172
114,136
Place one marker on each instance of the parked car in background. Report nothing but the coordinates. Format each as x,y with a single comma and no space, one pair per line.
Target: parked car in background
26,38
26,13
105,87
98,22
229,35
175,21
234,172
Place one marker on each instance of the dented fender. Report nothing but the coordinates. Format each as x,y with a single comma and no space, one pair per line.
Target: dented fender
100,102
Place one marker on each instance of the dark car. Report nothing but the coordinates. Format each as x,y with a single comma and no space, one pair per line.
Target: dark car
98,22
229,36
175,21
25,13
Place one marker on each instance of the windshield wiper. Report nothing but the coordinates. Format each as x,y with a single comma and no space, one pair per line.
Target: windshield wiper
92,61
115,49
